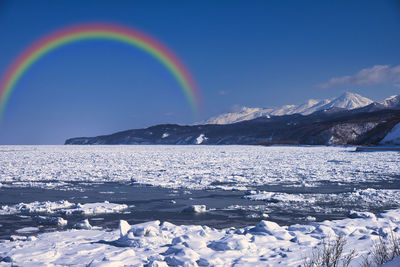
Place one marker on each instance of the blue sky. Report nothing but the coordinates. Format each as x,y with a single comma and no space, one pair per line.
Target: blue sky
247,53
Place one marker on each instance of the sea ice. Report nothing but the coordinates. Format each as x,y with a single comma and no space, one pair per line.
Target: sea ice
83,225
192,167
51,220
195,209
27,230
63,207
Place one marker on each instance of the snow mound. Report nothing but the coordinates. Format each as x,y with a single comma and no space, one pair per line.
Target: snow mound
166,244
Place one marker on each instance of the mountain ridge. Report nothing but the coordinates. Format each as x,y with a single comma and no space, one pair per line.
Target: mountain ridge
334,126
347,100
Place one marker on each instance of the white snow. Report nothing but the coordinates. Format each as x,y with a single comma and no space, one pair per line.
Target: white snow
191,167
62,207
200,139
244,113
279,197
391,101
37,207
347,101
360,196
159,244
195,167
165,135
393,137
96,208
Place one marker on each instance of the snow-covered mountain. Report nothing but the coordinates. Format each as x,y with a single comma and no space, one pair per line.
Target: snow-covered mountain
348,101
243,114
391,102
345,101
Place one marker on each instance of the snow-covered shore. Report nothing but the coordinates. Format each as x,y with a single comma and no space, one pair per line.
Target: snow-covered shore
159,244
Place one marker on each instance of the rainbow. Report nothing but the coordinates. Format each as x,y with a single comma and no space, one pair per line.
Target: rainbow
98,31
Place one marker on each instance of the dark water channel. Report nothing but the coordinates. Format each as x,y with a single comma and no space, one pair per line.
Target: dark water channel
226,208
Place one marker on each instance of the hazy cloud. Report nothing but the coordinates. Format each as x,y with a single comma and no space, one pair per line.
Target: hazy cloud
375,75
223,92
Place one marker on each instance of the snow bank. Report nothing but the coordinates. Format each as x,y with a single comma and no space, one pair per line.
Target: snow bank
63,207
162,244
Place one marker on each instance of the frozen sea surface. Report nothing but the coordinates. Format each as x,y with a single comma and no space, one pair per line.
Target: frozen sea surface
239,184
194,167
46,189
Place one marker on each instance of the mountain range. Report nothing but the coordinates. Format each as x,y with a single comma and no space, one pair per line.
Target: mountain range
346,120
346,101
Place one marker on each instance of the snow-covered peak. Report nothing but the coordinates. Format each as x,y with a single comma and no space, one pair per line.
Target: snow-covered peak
392,101
244,113
348,101
305,108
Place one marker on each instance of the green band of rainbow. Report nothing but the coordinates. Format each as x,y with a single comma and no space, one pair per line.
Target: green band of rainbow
99,31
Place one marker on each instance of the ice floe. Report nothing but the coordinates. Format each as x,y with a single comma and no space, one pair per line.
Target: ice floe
63,207
44,220
195,209
85,224
279,197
